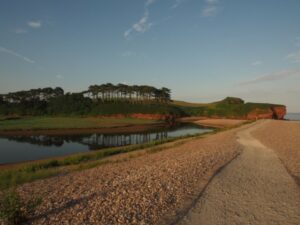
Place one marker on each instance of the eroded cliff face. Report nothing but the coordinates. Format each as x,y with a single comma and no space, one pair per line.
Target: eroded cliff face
277,112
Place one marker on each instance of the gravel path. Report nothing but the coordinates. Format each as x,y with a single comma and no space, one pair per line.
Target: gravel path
284,138
253,189
150,189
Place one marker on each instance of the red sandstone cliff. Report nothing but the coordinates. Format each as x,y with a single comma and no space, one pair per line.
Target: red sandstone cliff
277,112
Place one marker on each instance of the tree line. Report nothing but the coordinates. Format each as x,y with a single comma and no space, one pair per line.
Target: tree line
132,93
101,93
40,94
104,99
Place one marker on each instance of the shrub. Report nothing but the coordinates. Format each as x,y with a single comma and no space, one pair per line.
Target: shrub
15,210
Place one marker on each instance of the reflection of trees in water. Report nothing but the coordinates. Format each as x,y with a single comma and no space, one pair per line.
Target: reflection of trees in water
39,140
94,141
97,141
44,140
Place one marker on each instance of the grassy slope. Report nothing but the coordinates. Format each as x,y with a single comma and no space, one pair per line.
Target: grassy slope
127,109
222,108
188,104
32,123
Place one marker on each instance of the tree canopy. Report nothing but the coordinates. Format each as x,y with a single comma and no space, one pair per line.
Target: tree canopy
97,99
132,93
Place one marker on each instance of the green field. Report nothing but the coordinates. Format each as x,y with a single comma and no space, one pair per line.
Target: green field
41,123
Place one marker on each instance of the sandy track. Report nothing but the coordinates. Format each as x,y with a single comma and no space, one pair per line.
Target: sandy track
284,138
151,189
253,189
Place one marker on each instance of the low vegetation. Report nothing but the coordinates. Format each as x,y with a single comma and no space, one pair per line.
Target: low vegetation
35,123
230,107
14,210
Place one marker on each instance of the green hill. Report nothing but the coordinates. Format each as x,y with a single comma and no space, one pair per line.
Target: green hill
229,107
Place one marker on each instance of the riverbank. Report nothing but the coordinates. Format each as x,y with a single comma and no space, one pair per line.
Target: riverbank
52,126
155,186
221,123
28,126
17,173
140,190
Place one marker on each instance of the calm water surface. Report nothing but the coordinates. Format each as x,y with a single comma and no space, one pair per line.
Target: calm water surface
292,116
24,148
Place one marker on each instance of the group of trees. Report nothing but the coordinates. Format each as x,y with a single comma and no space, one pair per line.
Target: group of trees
102,93
40,94
132,93
97,100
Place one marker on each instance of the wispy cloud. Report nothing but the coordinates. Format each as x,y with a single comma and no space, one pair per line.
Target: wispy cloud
257,63
20,31
211,8
294,57
139,27
272,77
16,54
177,3
143,24
32,24
149,2
35,24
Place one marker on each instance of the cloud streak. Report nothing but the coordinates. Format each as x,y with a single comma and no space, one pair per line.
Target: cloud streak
272,77
294,57
16,54
20,31
139,27
143,24
149,2
35,24
177,3
211,8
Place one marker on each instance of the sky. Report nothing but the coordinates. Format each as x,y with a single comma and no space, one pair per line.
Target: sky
203,50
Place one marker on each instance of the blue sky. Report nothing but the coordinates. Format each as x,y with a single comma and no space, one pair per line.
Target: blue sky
204,50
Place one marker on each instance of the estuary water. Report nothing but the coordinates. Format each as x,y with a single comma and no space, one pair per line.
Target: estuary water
15,149
292,116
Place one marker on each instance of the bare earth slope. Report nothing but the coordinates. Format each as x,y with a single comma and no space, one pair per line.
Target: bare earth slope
255,188
151,189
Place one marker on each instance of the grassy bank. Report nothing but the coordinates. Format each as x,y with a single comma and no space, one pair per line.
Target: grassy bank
228,108
27,172
45,123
